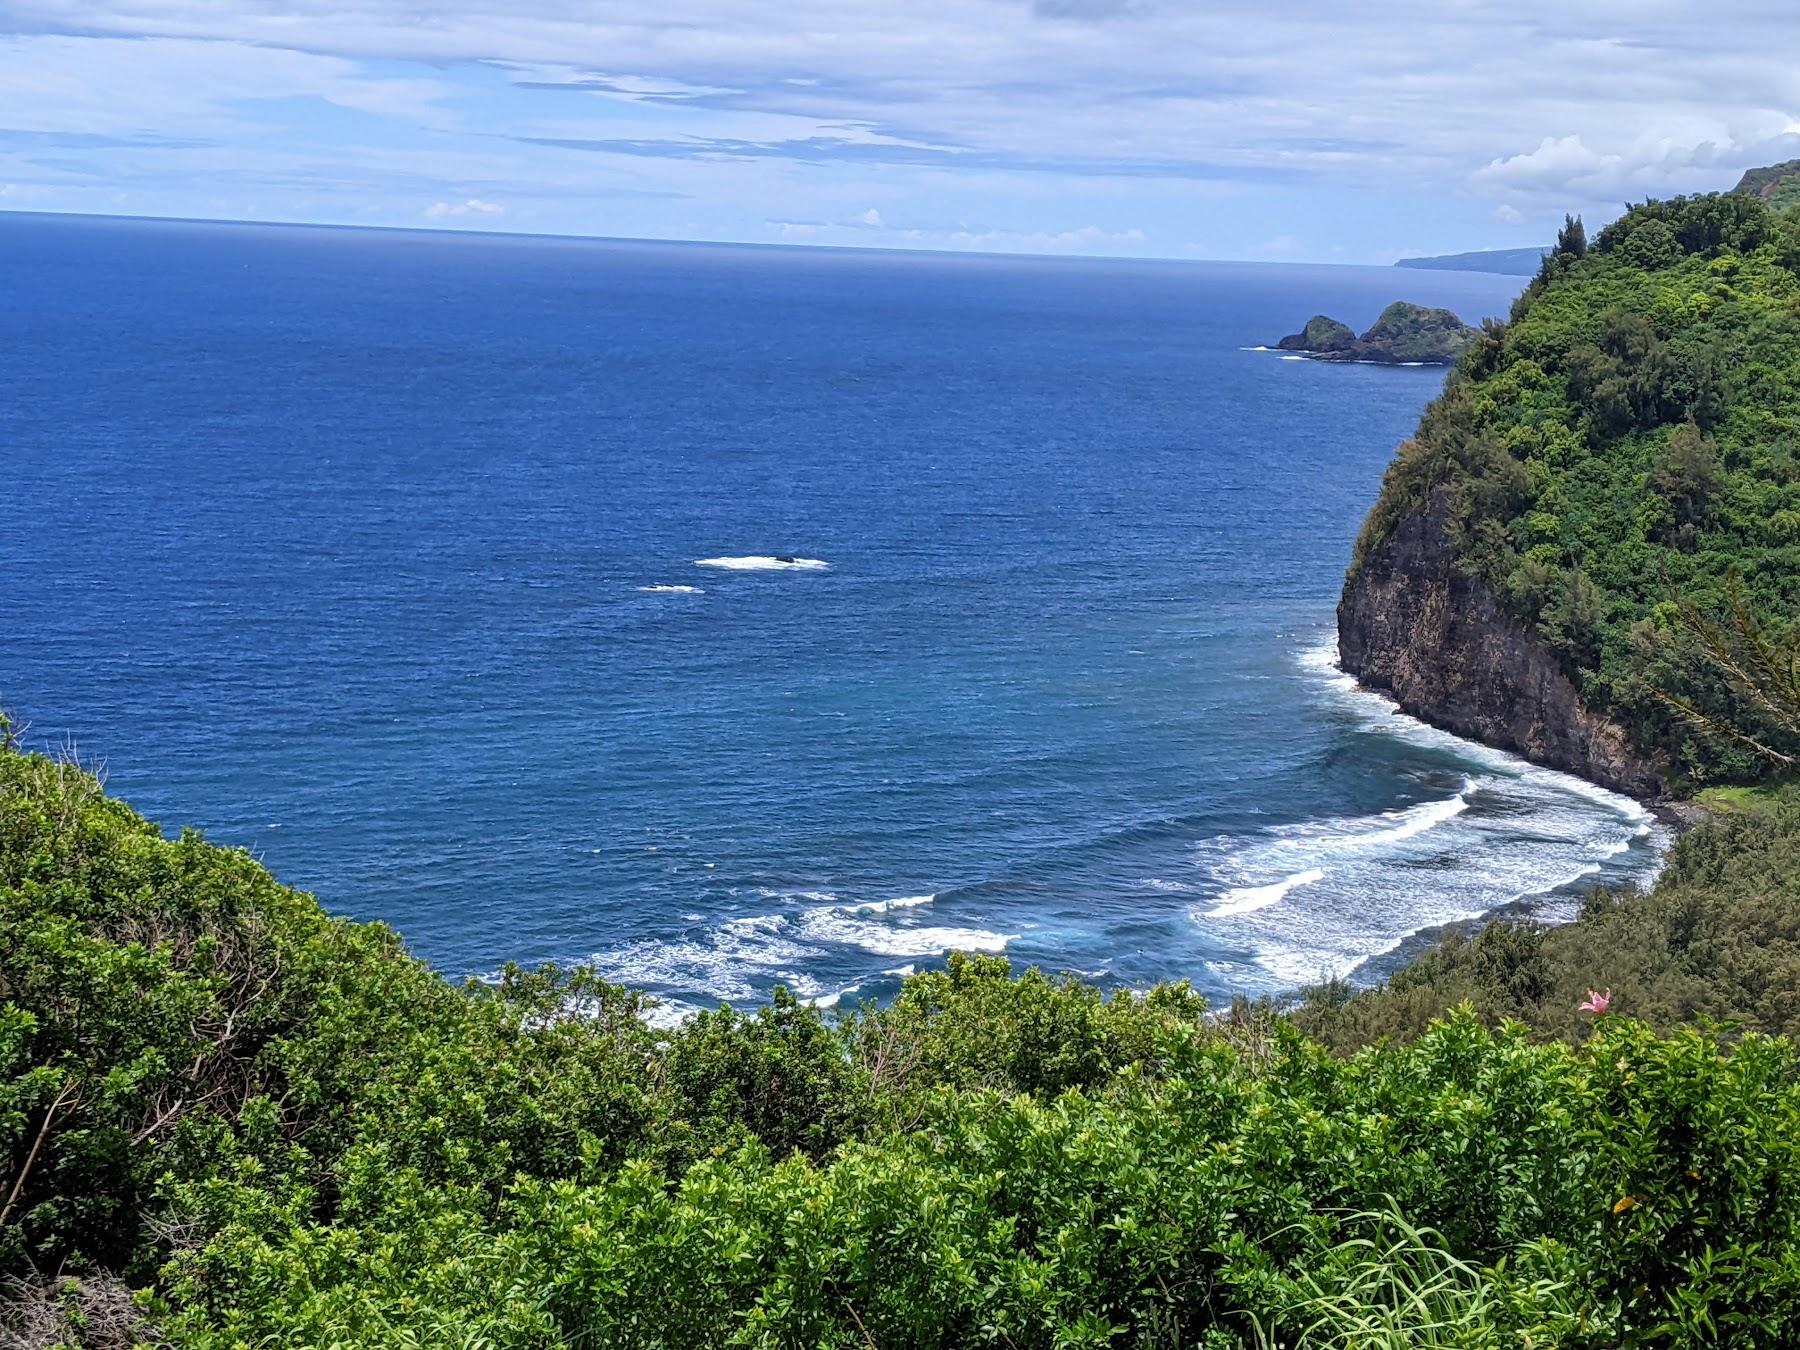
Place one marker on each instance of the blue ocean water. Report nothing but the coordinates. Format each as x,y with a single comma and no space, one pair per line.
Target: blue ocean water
730,615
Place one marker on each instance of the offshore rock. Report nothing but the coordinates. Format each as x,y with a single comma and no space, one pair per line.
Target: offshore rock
1405,334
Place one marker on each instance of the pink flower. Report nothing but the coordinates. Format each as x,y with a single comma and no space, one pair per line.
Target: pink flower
1596,1003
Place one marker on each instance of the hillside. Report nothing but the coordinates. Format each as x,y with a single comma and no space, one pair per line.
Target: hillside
229,1120
1512,262
1618,450
1778,184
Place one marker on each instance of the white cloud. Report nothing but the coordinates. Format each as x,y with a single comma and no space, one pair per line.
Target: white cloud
1673,159
1558,160
1004,110
1509,214
1412,92
473,206
188,87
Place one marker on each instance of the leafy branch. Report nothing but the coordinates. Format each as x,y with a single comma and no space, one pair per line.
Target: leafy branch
1759,663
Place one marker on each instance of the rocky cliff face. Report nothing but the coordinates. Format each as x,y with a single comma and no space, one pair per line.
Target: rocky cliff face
1413,625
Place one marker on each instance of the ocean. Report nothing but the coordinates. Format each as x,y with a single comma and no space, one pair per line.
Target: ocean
733,616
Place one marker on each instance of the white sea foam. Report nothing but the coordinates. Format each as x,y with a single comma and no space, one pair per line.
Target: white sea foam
737,959
844,928
899,902
670,1013
1378,831
1249,899
1377,712
671,590
1510,834
1293,966
1276,906
734,960
763,562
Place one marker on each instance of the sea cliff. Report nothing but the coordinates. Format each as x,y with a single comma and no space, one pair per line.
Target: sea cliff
1600,504
1414,625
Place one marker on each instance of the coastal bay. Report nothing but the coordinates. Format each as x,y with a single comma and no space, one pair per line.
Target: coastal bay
733,617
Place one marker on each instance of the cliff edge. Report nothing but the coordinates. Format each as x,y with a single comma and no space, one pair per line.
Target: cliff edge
1414,625
1610,465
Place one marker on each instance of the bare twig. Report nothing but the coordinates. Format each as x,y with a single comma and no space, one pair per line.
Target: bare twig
868,1340
68,1090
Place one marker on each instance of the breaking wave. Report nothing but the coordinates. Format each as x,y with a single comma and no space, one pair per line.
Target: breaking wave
763,562
1248,899
740,959
1302,901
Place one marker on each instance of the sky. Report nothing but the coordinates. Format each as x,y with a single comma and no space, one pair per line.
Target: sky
1310,131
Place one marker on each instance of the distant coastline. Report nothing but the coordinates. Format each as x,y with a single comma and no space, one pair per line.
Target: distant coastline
1511,262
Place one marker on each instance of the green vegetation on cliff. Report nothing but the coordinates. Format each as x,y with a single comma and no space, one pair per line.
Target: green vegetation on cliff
1628,441
279,1129
1778,184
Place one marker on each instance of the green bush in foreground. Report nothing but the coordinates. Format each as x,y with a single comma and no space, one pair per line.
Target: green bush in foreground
281,1130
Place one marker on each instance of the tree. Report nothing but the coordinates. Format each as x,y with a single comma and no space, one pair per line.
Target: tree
1573,620
1759,663
1686,475
1571,239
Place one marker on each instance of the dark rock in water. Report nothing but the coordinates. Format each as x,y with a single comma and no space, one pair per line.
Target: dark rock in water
1404,334
1320,335
1414,624
1407,332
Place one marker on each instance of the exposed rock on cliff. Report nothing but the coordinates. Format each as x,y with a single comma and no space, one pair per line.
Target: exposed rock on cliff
1778,184
1415,625
1575,554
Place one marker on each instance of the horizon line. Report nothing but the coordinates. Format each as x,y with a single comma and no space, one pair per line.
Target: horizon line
790,246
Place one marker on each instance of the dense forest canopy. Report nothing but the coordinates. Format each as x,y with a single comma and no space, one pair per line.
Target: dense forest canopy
1620,447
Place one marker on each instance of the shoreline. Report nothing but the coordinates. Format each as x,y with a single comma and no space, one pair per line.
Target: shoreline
1668,817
